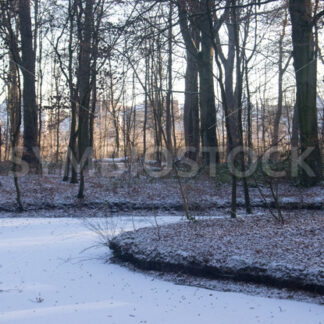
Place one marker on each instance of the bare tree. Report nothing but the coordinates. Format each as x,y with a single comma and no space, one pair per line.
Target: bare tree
14,106
306,76
282,68
85,28
29,92
204,61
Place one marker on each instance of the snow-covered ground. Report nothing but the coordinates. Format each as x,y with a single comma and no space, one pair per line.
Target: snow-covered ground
48,275
143,192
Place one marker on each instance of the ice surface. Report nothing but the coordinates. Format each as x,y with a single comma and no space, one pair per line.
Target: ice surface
48,275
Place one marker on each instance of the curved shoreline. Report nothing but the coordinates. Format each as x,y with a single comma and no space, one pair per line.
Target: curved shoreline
248,275
126,247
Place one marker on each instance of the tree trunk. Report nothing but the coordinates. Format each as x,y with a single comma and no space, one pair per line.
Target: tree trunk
84,90
147,59
169,94
249,110
72,149
238,93
1,141
281,72
306,74
14,107
93,111
204,59
29,93
294,131
207,94
191,106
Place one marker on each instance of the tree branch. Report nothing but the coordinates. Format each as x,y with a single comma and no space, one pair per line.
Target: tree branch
317,17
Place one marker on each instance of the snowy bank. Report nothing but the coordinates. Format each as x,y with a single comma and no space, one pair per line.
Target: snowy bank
252,249
144,193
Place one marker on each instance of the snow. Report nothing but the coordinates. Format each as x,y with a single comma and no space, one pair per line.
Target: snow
49,274
112,160
289,252
122,192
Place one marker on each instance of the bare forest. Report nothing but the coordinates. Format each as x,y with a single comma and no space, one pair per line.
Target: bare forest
191,108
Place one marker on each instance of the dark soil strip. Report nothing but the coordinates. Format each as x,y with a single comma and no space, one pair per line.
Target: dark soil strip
249,274
115,207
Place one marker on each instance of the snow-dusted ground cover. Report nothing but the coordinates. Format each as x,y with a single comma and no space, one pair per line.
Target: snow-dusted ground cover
143,192
48,275
254,248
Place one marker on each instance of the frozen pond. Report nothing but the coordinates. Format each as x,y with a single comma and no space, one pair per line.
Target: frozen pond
48,274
